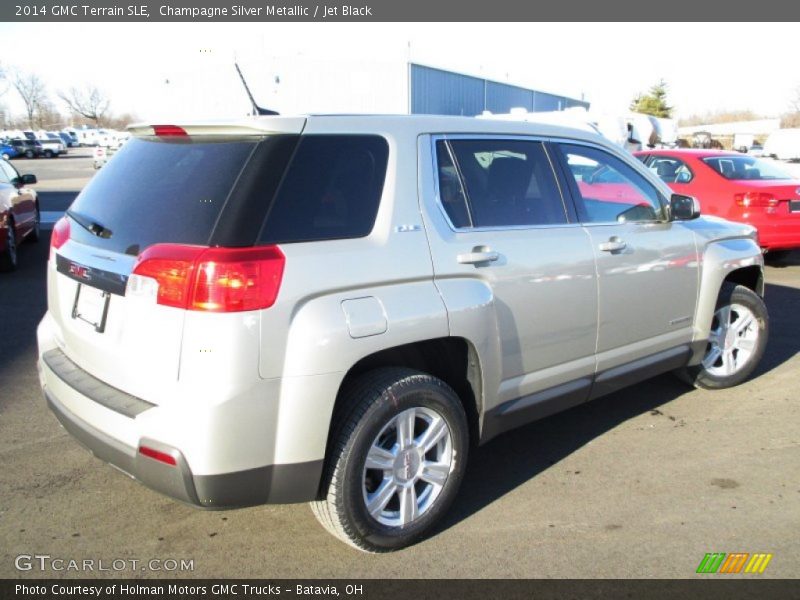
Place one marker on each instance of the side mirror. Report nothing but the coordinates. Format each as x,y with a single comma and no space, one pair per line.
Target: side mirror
683,208
28,179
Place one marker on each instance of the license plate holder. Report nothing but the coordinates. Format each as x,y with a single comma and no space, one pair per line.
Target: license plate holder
794,205
91,306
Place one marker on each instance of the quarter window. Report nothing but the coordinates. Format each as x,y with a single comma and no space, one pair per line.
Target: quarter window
607,190
331,190
498,183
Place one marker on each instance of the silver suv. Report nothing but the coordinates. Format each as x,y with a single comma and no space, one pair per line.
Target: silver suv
334,309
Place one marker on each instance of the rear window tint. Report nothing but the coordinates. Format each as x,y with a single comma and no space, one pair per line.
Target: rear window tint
160,191
331,190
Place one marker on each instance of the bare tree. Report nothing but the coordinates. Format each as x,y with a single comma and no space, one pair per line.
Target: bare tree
794,103
792,118
32,91
3,80
89,102
47,116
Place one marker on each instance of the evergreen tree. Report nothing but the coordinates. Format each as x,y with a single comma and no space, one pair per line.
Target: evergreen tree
654,102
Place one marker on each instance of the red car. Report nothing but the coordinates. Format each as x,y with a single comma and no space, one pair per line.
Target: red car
737,187
19,213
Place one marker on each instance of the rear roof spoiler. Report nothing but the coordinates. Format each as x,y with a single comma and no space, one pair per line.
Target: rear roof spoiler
239,127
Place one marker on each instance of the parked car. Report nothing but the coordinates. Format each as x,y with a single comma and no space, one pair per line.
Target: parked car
19,213
73,137
7,151
28,148
739,187
783,144
69,140
62,144
333,309
52,148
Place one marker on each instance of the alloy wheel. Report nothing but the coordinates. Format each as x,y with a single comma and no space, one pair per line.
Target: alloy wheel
407,466
732,340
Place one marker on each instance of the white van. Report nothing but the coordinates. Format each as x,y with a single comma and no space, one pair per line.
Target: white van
783,144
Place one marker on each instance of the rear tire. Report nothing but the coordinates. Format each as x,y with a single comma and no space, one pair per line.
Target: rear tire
48,154
737,340
30,154
397,457
8,257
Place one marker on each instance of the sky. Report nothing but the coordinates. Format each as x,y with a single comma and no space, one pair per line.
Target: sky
153,68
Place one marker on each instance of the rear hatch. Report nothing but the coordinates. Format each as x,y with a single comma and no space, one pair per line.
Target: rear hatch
189,190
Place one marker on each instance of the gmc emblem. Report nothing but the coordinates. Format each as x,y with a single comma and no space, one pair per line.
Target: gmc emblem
80,271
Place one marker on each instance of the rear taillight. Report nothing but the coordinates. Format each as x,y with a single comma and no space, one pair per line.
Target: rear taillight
756,200
213,279
60,233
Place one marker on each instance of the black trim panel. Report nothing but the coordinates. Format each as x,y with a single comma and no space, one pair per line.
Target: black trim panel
273,484
515,413
107,281
518,412
93,388
638,370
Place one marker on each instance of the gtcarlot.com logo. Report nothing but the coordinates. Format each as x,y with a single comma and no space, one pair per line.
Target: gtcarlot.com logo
736,562
45,562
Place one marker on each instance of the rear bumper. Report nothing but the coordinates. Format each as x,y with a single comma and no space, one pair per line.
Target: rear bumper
274,484
778,232
776,238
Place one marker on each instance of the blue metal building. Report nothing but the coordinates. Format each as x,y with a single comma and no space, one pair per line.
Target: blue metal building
439,92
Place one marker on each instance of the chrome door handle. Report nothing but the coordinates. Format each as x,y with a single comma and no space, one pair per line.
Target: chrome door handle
479,254
615,244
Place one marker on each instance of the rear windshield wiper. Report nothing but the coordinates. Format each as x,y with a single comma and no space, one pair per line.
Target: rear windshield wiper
91,226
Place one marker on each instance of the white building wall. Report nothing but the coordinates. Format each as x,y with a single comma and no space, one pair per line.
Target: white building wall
211,88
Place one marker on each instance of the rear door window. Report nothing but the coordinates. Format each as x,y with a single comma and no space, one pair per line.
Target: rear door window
331,190
506,183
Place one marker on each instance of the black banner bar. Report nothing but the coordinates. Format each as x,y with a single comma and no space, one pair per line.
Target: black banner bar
714,587
106,11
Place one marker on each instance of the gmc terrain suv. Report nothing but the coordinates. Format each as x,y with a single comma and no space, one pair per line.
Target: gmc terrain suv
333,309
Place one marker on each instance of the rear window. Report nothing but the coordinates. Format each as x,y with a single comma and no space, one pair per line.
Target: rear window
331,190
745,167
160,191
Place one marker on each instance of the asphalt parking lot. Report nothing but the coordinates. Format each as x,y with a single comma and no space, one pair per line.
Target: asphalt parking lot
642,483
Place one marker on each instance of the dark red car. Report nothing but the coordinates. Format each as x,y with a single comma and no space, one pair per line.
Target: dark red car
737,187
19,213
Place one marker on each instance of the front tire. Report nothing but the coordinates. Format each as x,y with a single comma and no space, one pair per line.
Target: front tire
8,257
36,232
397,457
738,337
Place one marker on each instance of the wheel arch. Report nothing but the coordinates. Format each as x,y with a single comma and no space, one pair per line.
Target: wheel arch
751,277
454,360
735,260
